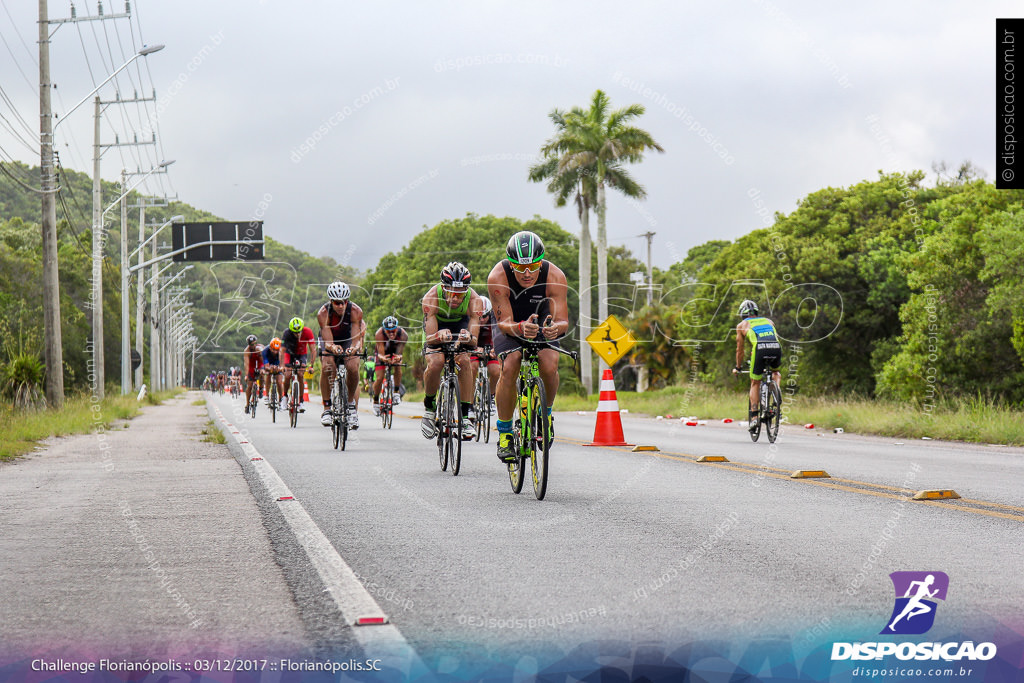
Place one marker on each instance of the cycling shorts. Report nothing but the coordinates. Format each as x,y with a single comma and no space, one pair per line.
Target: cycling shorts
766,355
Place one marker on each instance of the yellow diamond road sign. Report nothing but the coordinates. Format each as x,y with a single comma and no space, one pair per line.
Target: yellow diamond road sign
611,340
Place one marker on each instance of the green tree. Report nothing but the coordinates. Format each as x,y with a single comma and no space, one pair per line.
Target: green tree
567,182
600,142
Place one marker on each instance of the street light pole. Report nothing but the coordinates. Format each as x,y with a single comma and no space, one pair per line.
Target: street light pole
52,353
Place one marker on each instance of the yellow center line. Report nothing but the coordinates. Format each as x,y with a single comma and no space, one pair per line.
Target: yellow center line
779,473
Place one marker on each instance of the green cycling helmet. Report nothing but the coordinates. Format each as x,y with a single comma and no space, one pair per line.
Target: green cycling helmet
295,325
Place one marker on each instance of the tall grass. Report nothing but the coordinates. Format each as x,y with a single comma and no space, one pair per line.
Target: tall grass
970,419
20,430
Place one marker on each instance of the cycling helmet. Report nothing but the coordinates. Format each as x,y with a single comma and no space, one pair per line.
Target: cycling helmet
487,304
747,308
525,247
455,277
275,344
390,323
295,325
338,291
251,339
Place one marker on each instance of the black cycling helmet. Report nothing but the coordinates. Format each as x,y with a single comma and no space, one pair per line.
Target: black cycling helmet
748,308
455,277
251,339
524,247
390,323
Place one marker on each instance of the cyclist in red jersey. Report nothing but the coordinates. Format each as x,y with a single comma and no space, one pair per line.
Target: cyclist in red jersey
252,361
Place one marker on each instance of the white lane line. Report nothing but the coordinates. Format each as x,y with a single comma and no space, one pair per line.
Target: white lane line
383,642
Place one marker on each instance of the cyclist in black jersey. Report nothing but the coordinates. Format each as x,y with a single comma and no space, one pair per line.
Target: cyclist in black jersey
529,298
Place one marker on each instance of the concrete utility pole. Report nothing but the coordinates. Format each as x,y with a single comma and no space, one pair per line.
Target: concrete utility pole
126,332
139,293
52,353
97,261
650,270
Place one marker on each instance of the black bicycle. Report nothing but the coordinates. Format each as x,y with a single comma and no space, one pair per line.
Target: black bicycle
769,413
482,397
273,400
387,395
255,392
448,410
339,398
531,427
295,392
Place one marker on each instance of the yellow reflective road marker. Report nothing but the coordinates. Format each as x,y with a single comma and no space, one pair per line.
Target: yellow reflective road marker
645,448
712,458
936,494
810,474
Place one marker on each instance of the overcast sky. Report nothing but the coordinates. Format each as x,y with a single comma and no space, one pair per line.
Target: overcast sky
347,127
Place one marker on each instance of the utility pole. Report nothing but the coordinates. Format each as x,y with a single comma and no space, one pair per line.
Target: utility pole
650,271
126,332
98,365
52,353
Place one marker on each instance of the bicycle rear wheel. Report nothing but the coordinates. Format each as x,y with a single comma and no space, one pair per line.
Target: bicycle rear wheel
520,431
541,441
293,404
773,413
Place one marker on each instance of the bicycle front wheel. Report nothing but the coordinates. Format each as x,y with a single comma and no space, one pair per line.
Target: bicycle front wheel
773,413
455,426
520,431
273,403
293,405
440,420
341,409
541,439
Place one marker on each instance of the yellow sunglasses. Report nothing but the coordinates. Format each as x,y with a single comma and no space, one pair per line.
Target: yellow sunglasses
526,267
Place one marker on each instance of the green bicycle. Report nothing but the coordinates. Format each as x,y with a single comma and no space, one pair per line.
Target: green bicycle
531,428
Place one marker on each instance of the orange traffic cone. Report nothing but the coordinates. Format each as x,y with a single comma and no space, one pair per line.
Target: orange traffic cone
608,430
305,390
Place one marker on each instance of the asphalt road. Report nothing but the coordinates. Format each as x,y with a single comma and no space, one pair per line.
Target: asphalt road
642,547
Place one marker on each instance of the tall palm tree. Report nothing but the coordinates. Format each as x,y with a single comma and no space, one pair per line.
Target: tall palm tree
598,143
568,182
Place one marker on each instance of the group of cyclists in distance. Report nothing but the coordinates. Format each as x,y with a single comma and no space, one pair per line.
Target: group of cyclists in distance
527,299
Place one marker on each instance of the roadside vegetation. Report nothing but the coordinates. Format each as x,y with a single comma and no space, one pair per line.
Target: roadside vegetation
21,430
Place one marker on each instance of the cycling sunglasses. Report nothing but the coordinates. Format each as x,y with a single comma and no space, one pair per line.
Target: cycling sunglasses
526,267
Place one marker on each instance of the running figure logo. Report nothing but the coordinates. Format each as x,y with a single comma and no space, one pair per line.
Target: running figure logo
916,595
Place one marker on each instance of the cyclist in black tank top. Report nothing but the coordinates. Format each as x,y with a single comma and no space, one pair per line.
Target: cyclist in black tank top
529,298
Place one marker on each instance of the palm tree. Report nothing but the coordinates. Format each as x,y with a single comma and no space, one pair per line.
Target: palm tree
597,143
577,184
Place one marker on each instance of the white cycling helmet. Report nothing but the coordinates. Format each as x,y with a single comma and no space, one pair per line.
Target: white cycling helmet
487,304
338,291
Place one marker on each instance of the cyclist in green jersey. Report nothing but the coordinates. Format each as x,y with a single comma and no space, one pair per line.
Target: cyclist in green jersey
451,311
766,351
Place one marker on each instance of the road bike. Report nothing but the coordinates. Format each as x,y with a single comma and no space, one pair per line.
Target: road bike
448,410
273,400
255,392
531,426
387,395
339,398
295,393
769,410
482,397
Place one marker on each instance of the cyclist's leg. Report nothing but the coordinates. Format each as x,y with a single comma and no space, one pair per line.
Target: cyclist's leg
352,377
757,367
327,372
378,382
549,373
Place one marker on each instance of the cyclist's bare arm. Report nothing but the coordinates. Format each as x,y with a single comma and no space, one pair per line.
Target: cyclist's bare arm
741,341
557,293
358,327
429,306
497,288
